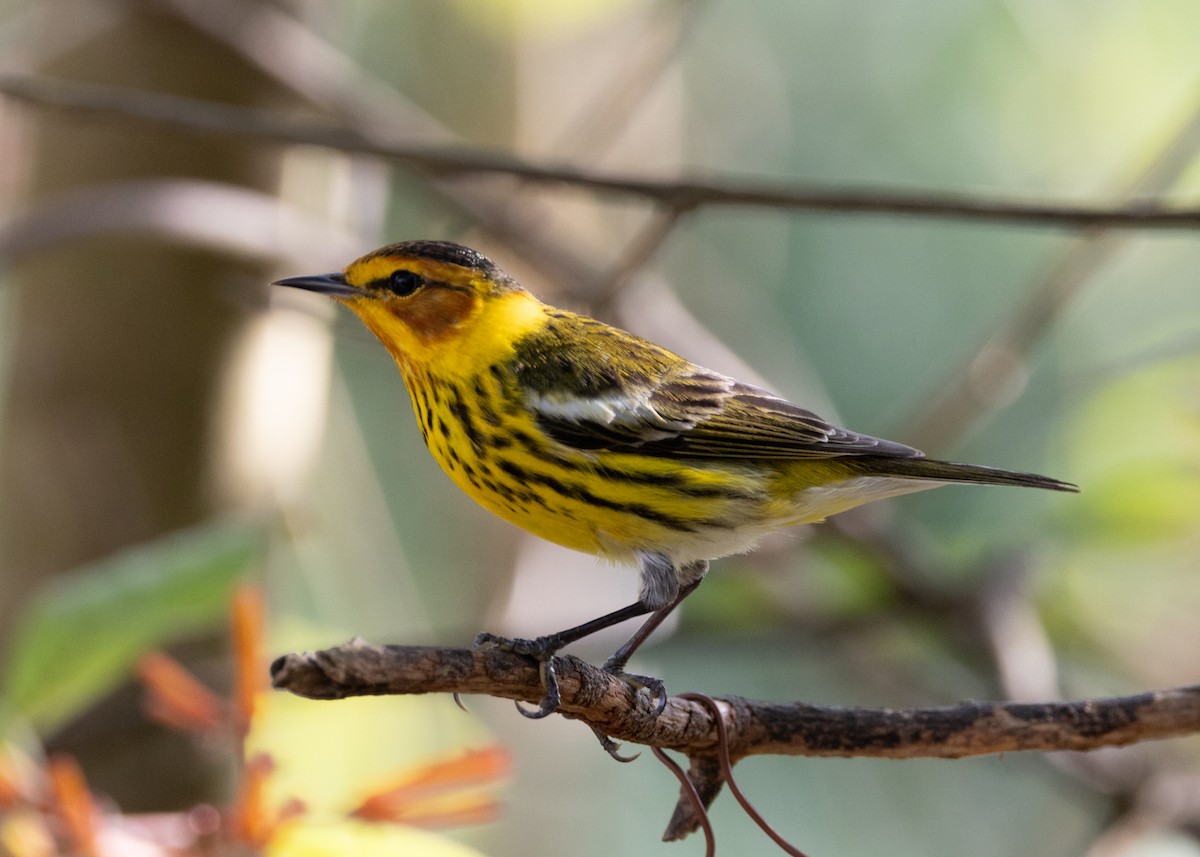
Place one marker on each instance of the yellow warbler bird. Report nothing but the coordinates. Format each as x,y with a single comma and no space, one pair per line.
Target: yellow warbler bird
601,441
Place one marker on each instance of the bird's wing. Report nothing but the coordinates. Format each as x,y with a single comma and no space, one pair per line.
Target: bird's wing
645,399
752,423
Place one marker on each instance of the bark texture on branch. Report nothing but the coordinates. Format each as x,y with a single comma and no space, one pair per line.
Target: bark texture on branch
754,727
689,725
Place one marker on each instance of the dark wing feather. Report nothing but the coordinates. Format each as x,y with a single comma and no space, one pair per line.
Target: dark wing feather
752,423
611,390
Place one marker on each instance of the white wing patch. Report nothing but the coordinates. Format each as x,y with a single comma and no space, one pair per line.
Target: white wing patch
614,408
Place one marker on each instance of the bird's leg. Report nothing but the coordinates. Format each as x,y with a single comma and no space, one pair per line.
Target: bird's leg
690,577
543,649
616,663
655,571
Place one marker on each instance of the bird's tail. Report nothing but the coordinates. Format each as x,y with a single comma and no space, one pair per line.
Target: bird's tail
948,471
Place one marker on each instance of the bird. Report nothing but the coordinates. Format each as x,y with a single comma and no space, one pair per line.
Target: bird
602,441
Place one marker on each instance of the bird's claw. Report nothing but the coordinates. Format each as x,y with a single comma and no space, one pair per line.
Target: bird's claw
637,682
542,650
612,747
549,703
656,686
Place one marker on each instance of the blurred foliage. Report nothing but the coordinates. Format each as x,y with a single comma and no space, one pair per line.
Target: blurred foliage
81,637
286,800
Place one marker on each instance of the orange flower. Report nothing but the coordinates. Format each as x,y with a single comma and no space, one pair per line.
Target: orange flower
440,793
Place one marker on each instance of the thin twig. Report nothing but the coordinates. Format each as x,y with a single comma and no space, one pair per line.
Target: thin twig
600,122
727,774
984,382
337,85
649,238
682,193
691,797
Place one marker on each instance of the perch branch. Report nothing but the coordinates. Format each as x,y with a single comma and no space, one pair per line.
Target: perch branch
754,727
688,723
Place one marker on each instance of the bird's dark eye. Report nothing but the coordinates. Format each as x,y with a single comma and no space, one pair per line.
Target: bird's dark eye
403,282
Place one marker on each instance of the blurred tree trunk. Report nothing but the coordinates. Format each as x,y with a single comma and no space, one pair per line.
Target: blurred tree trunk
120,340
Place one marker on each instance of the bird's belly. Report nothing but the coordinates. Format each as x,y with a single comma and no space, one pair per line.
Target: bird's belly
616,505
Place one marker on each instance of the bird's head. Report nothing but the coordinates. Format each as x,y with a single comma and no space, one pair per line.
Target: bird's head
430,301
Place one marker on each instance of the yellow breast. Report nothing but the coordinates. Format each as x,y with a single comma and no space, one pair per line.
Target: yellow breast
606,503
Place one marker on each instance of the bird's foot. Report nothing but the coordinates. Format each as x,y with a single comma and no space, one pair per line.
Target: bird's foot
542,650
612,747
658,690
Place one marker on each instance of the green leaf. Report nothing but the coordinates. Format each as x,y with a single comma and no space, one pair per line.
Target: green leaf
82,634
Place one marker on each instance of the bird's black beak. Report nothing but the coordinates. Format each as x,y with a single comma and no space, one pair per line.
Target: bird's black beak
334,285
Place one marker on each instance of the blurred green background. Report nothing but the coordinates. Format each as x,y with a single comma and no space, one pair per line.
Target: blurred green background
152,382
